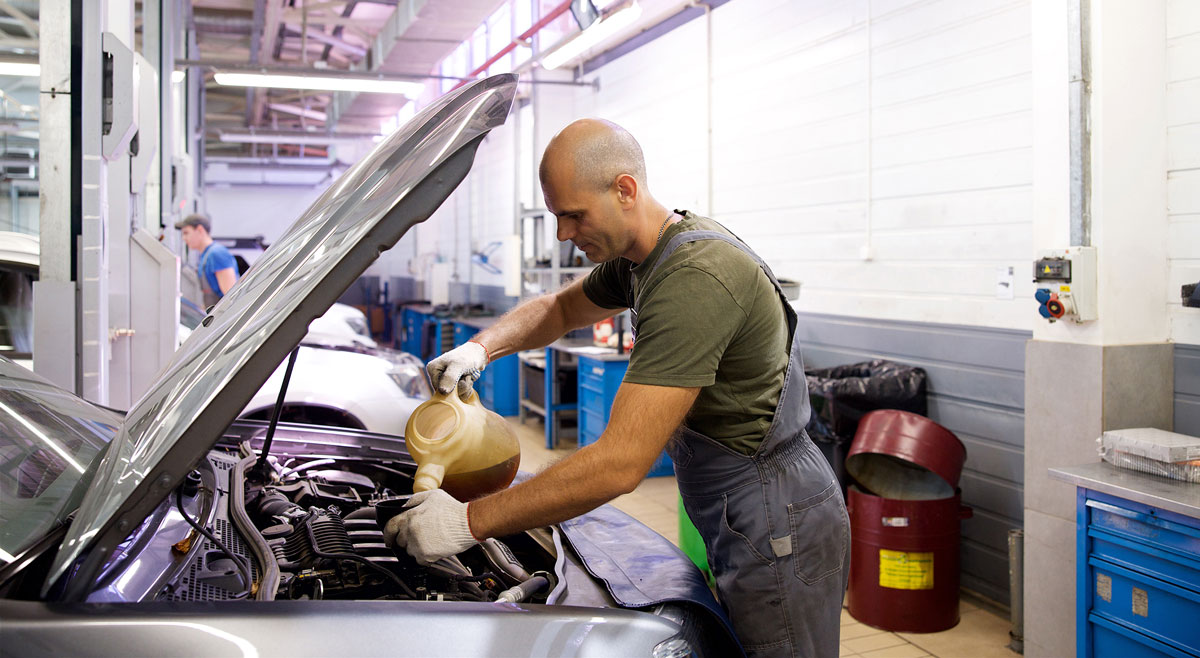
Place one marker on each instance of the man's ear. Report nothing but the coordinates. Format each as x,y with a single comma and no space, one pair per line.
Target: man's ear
627,190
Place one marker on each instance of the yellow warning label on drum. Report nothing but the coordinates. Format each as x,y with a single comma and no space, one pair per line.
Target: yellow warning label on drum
903,570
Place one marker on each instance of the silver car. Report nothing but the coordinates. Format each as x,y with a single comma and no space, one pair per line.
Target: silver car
174,530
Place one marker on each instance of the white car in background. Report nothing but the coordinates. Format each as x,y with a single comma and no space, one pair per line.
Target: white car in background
341,378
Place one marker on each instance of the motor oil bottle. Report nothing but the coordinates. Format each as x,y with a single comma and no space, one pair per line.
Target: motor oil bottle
461,447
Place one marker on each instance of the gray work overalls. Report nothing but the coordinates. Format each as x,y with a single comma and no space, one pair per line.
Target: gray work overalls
774,524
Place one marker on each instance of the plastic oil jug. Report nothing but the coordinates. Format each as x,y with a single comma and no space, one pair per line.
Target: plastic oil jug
461,447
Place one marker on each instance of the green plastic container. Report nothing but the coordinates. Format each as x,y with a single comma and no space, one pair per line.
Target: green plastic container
691,543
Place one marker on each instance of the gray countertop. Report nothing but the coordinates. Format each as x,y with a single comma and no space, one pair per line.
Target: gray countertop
477,321
1163,493
588,348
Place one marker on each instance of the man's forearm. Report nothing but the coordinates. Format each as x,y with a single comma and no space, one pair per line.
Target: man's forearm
573,486
535,323
642,421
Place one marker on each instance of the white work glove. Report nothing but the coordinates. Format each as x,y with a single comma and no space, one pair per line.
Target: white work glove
435,527
460,366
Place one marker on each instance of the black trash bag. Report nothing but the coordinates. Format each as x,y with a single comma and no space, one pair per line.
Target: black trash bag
842,395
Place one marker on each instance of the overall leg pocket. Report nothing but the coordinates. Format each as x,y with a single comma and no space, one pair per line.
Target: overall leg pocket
734,527
820,535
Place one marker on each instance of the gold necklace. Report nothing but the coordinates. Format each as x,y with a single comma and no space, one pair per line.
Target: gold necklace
663,227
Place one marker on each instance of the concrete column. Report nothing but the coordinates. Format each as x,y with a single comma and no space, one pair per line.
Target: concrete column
54,294
93,263
1116,372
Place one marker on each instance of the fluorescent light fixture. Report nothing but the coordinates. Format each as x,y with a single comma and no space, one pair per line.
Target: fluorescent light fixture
314,139
598,32
178,75
27,69
320,83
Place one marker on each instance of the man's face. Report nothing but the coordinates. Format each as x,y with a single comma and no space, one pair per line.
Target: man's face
591,219
193,237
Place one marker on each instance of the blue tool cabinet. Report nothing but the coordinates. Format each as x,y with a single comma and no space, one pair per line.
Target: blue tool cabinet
498,386
598,383
1138,579
412,335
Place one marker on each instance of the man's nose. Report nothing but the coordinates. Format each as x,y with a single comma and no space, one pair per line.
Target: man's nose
566,230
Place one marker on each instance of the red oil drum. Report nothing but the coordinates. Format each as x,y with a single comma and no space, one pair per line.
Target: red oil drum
904,565
904,523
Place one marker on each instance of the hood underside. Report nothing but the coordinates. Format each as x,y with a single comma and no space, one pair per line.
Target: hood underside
249,332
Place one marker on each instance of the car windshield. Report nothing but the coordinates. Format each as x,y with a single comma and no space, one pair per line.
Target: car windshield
16,310
49,441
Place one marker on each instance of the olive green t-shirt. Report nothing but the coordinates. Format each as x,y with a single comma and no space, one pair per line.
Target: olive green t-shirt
709,317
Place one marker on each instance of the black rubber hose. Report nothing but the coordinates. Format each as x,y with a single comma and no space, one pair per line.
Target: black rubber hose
243,568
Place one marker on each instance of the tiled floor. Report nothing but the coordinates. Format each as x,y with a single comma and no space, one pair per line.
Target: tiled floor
981,633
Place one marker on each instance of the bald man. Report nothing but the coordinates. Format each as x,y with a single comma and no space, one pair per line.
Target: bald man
715,364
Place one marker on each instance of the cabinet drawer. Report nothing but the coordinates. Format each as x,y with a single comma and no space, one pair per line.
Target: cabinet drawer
587,379
587,438
1146,543
593,401
1153,607
591,423
1111,640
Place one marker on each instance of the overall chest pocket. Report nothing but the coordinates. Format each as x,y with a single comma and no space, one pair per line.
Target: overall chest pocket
820,535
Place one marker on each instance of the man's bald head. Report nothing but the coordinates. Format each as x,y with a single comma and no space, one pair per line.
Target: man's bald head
599,151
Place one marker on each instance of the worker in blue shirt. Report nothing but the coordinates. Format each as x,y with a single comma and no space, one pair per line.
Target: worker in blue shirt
217,269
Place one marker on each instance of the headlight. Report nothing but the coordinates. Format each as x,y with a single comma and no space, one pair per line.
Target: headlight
359,325
675,647
411,380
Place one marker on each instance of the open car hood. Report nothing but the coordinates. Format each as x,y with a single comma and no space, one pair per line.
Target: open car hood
401,182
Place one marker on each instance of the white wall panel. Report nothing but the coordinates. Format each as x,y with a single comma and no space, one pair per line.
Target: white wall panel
1183,164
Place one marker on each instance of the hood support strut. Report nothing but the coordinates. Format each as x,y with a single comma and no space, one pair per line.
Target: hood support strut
261,467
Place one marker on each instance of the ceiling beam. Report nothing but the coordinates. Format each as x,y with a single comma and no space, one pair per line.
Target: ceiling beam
28,23
329,40
9,41
256,33
347,11
297,16
272,23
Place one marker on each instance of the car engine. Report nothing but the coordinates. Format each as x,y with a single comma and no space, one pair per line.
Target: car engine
317,524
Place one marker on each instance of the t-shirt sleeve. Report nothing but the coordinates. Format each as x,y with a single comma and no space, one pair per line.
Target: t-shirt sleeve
221,259
685,323
607,285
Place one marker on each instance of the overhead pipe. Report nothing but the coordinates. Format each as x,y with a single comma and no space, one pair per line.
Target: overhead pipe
219,65
519,41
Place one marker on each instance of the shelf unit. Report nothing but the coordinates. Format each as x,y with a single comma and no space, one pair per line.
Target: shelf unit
537,244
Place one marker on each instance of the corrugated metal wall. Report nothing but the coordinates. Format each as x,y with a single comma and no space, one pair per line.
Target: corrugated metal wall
1183,162
977,390
1187,389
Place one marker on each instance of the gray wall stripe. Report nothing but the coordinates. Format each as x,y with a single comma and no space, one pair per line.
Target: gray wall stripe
1187,389
976,380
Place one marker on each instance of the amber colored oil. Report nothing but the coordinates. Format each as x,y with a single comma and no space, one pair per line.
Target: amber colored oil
475,484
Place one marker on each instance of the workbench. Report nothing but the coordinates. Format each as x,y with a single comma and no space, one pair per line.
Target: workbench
556,404
1137,562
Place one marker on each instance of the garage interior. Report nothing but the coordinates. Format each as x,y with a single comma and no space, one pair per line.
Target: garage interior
1000,198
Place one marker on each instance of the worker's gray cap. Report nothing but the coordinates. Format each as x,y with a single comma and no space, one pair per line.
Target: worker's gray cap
196,219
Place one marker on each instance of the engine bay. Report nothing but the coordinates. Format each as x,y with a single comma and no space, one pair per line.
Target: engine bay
308,527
